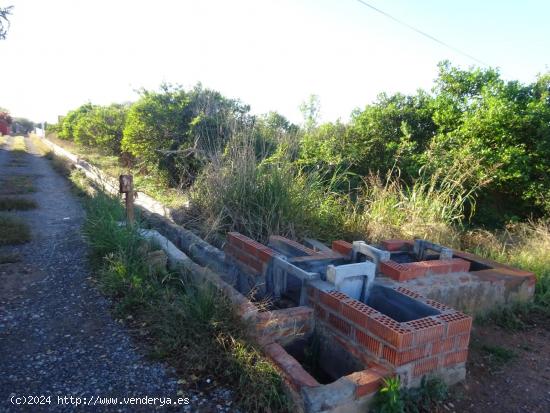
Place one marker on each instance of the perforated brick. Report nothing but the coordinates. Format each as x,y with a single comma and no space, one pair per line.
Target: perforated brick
455,358
320,312
357,312
426,329
339,324
370,343
394,244
398,358
407,292
393,270
333,299
443,346
425,366
390,331
462,341
438,306
457,323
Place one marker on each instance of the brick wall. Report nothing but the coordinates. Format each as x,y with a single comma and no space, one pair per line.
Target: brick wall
408,271
250,255
417,347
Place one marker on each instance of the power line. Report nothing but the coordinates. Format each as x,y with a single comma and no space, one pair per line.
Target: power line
441,42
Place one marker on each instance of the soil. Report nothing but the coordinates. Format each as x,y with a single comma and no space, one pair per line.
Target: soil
518,382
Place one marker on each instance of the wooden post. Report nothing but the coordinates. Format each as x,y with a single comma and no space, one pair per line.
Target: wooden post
126,186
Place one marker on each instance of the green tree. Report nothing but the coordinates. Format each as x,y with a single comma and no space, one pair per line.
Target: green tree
101,126
173,131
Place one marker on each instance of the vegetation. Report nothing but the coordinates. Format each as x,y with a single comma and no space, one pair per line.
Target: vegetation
455,164
429,397
13,230
15,203
497,355
190,324
16,185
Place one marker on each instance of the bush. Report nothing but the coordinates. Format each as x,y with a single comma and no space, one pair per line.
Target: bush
238,191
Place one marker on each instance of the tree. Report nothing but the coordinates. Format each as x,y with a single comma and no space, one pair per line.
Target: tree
311,110
23,125
173,131
4,21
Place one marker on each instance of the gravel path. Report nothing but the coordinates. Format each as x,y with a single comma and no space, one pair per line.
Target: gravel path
57,337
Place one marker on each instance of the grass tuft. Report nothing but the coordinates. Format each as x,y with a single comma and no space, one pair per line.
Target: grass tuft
14,203
13,230
16,185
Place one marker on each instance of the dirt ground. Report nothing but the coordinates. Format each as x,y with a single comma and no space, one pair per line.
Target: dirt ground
508,371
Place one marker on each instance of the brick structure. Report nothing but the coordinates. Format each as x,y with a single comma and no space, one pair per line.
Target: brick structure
411,349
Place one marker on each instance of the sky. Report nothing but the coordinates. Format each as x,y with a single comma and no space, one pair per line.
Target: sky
270,54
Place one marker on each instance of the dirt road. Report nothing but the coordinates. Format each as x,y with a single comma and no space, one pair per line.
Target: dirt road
57,337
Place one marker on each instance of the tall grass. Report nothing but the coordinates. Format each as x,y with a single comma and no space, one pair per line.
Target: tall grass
241,190
522,245
432,207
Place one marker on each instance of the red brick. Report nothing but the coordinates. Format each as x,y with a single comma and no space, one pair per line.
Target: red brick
394,270
333,299
292,370
343,247
367,382
457,323
462,341
370,343
320,312
407,292
455,358
443,346
297,245
348,346
398,358
438,306
357,312
230,250
339,324
394,244
265,254
426,329
233,239
390,330
422,367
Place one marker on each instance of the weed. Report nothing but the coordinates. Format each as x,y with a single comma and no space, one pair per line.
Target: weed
9,258
13,203
242,191
389,398
13,230
18,144
497,356
427,398
16,185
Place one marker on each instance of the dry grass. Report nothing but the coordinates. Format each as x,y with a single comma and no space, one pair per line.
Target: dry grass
13,230
16,185
524,245
16,203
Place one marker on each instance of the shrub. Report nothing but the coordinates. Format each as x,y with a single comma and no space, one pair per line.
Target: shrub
240,191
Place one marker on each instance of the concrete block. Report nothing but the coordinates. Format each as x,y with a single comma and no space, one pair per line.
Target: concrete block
351,278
